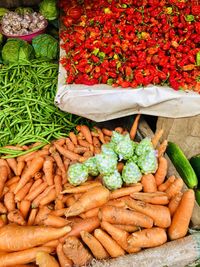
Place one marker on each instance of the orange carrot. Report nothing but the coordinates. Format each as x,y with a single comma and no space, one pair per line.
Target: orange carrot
48,170
119,202
38,175
3,162
13,187
2,223
87,225
148,238
94,245
58,160
55,221
41,215
95,197
66,163
125,191
159,198
116,215
86,133
159,214
24,207
58,184
21,194
182,216
90,213
119,130
127,228
81,188
174,188
161,171
80,149
134,127
73,137
20,167
22,257
100,134
35,185
59,213
13,180
174,203
162,148
36,165
107,139
156,138
36,154
31,218
9,201
3,177
84,143
53,243
97,150
120,236
63,260
15,216
34,193
14,237
75,251
108,243
70,145
51,196
43,259
59,204
12,164
120,166
36,201
66,153
163,187
149,183
70,201
3,209
96,142
107,132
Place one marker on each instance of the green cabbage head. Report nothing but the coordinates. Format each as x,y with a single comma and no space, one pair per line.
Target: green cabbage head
16,51
49,9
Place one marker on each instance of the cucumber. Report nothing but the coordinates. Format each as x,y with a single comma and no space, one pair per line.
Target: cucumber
197,194
195,162
182,165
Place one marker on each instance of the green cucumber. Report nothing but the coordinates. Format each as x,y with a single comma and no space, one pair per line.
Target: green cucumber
197,194
195,162
182,165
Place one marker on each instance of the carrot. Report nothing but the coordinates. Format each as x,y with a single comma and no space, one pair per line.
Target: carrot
161,171
37,200
108,243
174,203
42,214
70,201
24,207
163,187
148,238
12,164
119,130
38,175
100,134
73,138
134,127
36,154
97,150
125,191
94,245
81,188
58,204
3,177
127,228
48,170
66,163
14,237
6,190
88,225
95,197
35,185
159,214
77,196
20,167
162,148
159,198
120,236
59,213
107,132
4,218
13,180
61,141
88,154
107,139
75,251
149,183
13,187
43,259
53,243
156,138
96,142
90,213
51,196
31,218
34,193
58,160
3,162
3,209
36,165
2,223
55,221
63,260
86,133
120,166
9,201
123,216
15,216
22,257
66,153
119,202
84,143
70,145
80,149
174,188
182,216
21,194
58,184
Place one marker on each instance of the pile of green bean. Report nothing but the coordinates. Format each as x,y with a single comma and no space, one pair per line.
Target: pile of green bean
27,110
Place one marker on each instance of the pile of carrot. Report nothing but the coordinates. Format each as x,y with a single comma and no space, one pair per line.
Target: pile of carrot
44,220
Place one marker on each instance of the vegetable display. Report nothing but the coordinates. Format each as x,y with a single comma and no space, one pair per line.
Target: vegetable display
49,9
132,43
55,223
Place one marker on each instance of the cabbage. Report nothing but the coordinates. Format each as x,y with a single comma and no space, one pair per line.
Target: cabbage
24,10
3,11
48,9
16,51
45,46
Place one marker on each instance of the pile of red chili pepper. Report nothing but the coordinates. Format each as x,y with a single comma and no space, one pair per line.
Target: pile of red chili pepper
131,43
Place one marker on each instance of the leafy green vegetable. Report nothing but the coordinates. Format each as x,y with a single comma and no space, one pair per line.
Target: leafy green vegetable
49,9
45,46
113,181
91,164
24,10
148,162
125,148
16,51
3,11
131,173
77,174
106,164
